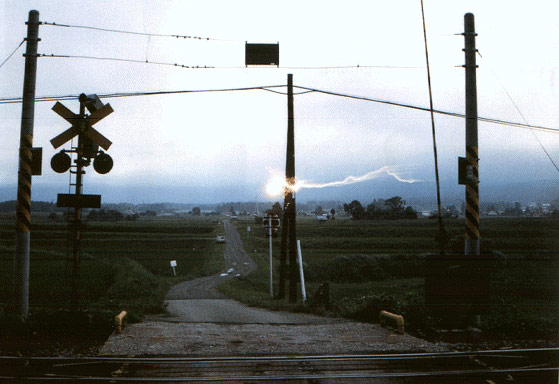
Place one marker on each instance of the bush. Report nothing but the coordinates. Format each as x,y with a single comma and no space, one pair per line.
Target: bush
363,268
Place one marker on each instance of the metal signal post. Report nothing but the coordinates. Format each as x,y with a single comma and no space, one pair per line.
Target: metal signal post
89,141
271,225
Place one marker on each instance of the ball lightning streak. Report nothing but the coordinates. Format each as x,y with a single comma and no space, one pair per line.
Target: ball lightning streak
277,183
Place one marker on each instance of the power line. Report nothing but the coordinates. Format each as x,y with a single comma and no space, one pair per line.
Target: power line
17,100
226,67
125,60
522,115
415,107
134,33
13,52
441,238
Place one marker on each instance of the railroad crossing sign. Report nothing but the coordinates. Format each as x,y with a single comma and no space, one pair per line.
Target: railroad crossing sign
82,125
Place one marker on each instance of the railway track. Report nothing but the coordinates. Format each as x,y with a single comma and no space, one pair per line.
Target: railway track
499,366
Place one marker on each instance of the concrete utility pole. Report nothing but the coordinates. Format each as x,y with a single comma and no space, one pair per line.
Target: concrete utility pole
288,232
471,244
23,215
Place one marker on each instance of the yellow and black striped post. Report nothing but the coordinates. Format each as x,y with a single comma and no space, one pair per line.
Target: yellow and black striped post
472,204
471,244
23,215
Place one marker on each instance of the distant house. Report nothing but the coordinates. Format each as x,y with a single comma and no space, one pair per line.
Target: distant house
323,217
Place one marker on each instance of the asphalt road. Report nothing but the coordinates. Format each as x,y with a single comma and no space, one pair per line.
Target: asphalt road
199,301
201,322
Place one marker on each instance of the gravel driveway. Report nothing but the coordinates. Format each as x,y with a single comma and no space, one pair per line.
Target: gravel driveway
202,322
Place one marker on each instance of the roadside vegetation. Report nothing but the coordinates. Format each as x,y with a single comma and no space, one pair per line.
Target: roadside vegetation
123,266
372,265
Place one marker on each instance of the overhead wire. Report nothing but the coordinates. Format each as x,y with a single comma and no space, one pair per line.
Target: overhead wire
17,100
442,232
146,61
125,60
11,54
521,114
440,112
53,24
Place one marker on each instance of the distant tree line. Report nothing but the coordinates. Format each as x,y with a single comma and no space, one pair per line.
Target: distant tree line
393,208
110,215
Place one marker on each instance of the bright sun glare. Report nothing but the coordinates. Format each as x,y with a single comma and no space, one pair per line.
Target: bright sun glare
275,186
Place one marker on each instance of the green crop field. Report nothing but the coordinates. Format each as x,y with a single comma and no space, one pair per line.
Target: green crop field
123,265
380,264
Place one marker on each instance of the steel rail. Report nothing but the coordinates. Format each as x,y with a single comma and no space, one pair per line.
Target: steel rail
233,378
385,356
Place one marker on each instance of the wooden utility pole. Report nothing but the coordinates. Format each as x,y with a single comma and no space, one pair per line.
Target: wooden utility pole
471,243
23,216
288,231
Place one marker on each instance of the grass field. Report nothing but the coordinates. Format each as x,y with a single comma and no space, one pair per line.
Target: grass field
123,265
373,265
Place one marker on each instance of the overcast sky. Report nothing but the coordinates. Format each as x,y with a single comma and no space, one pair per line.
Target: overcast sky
236,139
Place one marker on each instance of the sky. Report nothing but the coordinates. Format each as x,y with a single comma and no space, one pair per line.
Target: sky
226,146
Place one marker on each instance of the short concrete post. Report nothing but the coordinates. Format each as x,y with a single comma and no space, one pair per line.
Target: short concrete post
397,319
120,321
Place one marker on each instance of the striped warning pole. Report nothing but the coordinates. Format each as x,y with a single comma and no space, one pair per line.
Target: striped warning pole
471,244
23,210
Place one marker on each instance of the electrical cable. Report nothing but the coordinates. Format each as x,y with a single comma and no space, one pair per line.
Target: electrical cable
124,60
18,100
224,67
521,115
442,232
134,33
418,108
13,52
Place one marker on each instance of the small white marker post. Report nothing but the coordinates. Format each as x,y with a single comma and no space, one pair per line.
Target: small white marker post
302,275
173,265
271,267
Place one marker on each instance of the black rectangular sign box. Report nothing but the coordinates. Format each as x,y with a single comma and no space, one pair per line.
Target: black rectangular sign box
78,201
261,54
36,161
462,171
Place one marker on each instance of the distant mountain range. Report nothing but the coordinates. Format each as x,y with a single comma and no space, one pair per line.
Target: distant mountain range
421,193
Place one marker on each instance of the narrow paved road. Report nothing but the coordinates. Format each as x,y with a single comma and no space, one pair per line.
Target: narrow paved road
199,300
237,261
201,322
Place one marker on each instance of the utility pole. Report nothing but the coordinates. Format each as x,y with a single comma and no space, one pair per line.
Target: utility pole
23,216
471,243
289,200
290,211
288,233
